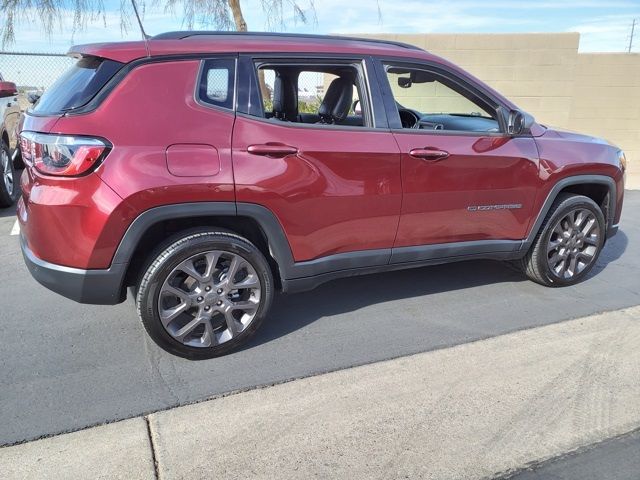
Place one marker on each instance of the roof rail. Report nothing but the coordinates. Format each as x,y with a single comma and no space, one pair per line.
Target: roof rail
179,35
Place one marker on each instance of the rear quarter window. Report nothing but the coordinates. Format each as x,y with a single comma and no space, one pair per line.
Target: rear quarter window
217,80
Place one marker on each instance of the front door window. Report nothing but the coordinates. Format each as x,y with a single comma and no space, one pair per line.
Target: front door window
428,101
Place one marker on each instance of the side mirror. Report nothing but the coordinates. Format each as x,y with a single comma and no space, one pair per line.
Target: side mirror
7,89
519,122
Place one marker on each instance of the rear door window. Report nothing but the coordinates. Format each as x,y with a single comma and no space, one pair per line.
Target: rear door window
77,86
320,94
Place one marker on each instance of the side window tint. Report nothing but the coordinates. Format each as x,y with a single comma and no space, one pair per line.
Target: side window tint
429,101
217,82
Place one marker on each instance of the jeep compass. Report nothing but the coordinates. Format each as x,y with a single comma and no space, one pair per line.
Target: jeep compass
194,171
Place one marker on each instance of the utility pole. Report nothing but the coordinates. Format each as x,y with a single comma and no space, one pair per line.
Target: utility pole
633,29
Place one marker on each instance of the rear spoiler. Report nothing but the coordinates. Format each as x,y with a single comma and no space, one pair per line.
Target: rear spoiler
123,52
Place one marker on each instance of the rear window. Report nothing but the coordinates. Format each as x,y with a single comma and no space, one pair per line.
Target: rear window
77,86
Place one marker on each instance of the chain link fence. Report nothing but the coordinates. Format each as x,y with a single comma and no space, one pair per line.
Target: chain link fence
33,71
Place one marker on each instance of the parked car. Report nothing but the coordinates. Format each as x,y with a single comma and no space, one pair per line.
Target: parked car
32,97
161,170
9,112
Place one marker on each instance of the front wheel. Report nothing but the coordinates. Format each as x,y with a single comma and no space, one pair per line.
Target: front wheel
205,294
568,243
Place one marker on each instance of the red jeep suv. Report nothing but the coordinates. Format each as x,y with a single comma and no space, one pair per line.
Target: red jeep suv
196,169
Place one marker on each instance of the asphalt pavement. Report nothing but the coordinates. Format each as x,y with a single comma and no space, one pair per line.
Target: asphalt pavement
616,458
65,366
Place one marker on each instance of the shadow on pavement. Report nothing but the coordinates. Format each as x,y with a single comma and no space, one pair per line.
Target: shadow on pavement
613,250
11,211
292,312
8,212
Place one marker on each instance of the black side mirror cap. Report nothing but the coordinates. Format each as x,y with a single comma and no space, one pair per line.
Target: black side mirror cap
519,122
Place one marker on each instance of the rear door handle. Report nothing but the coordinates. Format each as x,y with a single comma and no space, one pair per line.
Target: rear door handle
272,149
428,153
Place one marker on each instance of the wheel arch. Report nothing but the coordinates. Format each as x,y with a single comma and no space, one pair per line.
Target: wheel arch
600,188
254,222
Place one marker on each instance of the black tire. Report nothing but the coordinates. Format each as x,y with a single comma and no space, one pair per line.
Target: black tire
8,194
18,163
535,263
182,248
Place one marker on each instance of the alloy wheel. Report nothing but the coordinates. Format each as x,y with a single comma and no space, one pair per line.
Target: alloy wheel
573,243
209,298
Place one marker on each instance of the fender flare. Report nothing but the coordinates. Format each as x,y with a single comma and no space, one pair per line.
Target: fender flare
609,182
276,239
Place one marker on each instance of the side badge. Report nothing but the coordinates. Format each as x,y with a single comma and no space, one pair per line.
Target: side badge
485,208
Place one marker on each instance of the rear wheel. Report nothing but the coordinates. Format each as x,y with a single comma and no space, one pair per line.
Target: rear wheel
205,294
568,244
8,187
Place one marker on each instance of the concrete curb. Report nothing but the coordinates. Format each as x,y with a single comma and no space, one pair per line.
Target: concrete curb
468,411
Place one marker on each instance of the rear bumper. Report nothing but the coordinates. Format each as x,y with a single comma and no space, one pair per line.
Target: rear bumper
95,286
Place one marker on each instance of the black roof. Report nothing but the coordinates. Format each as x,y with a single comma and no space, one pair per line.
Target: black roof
179,35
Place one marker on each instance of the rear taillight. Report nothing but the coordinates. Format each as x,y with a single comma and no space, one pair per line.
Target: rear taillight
67,155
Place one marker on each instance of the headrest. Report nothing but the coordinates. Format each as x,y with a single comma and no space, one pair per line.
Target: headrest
285,99
337,101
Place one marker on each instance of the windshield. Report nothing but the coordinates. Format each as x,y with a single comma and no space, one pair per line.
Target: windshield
77,86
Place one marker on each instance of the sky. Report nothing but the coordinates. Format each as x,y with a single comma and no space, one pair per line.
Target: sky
605,26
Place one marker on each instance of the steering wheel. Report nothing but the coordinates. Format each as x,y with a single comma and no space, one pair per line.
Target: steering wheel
408,119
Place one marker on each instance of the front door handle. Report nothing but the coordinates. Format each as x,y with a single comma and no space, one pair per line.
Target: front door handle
272,149
428,153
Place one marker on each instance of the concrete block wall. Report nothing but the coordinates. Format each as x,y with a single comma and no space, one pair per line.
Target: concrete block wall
606,101
543,73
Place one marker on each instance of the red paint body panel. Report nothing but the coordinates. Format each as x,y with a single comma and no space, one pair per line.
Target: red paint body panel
340,193
563,154
480,171
75,222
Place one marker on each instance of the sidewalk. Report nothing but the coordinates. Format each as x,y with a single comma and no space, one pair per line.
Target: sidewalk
469,411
